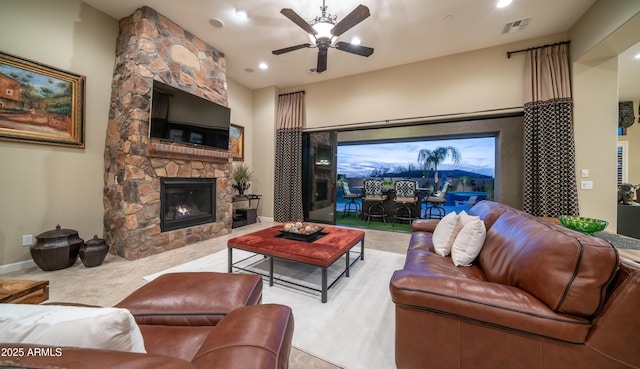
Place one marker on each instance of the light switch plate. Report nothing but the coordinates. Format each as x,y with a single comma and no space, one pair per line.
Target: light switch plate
584,173
586,185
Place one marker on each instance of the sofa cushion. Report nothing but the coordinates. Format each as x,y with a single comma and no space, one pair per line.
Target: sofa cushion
488,211
468,242
567,270
192,298
445,233
70,326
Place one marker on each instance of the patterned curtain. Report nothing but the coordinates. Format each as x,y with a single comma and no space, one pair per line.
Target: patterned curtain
550,182
288,167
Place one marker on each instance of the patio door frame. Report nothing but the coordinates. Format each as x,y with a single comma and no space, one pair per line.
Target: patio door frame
319,154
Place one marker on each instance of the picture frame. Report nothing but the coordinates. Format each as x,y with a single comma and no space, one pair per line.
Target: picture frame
40,103
196,138
176,135
236,142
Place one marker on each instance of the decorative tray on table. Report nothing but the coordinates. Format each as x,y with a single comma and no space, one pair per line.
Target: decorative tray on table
582,224
299,231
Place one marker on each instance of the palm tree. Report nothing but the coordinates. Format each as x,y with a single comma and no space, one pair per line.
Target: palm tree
430,159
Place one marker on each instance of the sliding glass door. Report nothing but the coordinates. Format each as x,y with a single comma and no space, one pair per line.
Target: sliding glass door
319,177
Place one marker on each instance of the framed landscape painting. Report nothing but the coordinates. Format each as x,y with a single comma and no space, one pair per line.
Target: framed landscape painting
40,103
236,142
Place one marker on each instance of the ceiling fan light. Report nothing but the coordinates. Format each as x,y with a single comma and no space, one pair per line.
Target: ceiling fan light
242,13
355,40
324,30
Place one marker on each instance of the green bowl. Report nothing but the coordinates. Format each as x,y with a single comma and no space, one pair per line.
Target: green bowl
588,225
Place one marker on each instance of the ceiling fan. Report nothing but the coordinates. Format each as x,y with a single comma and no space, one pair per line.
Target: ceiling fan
323,32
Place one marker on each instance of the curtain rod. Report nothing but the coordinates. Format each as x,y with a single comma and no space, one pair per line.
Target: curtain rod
478,114
509,53
291,93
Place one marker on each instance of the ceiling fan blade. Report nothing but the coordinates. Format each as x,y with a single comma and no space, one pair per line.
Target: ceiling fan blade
356,16
295,18
354,49
290,48
322,60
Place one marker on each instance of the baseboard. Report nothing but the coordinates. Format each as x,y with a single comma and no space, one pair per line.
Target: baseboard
16,267
268,219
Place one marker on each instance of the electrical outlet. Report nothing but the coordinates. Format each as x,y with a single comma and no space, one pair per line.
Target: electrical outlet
27,239
584,173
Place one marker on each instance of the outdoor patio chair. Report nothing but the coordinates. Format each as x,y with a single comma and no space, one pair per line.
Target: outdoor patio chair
468,202
373,193
436,204
406,196
352,206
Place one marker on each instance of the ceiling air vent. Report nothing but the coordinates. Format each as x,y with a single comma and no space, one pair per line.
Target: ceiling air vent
515,26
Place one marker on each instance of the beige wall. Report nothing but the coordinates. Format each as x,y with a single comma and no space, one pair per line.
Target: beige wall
462,83
263,156
607,29
42,185
241,105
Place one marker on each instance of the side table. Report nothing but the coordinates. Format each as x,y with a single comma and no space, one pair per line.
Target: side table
23,291
248,215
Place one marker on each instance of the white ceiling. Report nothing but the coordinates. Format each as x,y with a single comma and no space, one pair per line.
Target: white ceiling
400,31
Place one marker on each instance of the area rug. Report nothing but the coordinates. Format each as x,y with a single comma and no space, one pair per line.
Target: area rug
355,329
619,241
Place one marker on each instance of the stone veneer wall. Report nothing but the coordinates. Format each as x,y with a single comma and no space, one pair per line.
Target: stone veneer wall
150,46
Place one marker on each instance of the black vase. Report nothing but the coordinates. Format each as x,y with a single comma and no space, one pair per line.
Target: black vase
93,252
241,187
56,249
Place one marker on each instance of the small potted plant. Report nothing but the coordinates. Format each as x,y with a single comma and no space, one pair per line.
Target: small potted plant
241,175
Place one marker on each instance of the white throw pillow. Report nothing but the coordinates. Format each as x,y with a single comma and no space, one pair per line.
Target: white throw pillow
466,218
445,233
70,326
468,243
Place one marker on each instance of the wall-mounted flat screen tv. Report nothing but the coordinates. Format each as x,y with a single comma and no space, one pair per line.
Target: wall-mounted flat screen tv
179,116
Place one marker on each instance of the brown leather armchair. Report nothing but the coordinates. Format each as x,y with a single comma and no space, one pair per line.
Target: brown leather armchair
538,296
190,320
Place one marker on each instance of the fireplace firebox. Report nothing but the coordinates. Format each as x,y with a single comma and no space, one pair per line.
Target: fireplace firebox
186,202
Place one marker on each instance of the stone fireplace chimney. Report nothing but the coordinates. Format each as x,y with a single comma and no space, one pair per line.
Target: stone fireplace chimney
149,47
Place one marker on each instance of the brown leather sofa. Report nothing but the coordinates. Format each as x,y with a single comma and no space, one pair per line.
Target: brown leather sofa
190,320
538,296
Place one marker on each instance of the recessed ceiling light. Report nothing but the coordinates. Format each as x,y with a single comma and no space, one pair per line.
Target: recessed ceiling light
355,40
448,17
263,66
242,13
503,3
216,22
637,56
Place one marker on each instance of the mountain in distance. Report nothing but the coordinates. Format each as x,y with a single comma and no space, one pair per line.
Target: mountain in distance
448,173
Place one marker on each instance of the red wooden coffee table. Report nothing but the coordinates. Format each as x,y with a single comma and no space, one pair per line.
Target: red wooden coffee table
331,245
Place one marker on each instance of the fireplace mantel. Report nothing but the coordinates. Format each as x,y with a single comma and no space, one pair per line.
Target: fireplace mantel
176,151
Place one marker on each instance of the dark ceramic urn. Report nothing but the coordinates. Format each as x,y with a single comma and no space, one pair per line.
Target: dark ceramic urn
93,252
56,249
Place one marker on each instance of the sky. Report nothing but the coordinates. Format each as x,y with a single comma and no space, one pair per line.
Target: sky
477,156
37,80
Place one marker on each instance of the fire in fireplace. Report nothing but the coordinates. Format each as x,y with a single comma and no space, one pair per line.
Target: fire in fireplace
187,202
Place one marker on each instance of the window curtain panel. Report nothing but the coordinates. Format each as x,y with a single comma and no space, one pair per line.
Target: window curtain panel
288,166
550,180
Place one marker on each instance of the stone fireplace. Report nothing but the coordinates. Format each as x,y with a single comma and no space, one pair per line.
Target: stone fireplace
137,168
